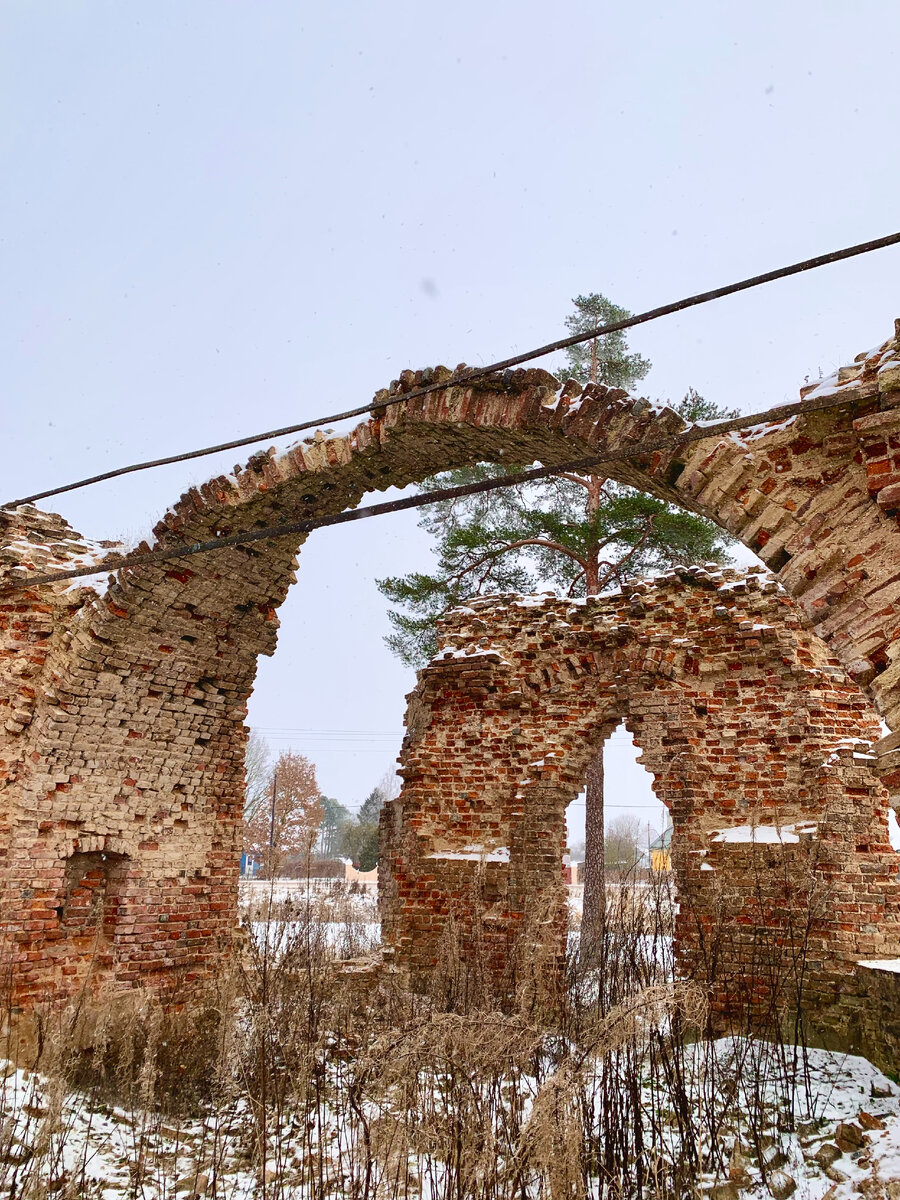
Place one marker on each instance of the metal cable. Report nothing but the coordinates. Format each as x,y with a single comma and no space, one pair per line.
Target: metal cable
695,433
471,374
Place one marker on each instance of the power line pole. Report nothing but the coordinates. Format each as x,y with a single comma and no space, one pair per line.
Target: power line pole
272,826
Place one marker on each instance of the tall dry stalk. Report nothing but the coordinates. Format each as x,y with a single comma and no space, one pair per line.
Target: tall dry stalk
306,1079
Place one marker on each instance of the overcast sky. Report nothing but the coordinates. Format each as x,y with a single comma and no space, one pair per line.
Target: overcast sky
221,217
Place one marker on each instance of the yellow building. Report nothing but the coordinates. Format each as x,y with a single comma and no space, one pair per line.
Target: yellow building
660,851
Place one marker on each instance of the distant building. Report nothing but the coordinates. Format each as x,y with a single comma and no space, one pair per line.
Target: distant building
573,872
364,881
250,866
368,879
661,852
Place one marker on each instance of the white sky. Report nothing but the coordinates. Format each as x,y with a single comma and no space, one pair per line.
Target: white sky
220,217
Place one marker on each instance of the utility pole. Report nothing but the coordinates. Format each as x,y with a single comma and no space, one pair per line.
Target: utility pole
272,826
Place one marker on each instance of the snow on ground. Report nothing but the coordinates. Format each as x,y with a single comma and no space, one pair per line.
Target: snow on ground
96,1143
349,940
344,922
847,1116
310,900
830,1125
845,1140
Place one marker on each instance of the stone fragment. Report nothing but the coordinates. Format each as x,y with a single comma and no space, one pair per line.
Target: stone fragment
738,1168
781,1185
889,497
849,1137
773,1157
868,1121
827,1154
726,1190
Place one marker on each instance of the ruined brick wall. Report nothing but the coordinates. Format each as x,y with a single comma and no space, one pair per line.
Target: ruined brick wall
880,1023
121,713
122,792
749,726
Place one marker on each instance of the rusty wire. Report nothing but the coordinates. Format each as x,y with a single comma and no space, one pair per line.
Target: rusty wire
694,433
472,374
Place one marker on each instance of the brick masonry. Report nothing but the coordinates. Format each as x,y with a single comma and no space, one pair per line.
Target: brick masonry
122,708
880,1022
758,741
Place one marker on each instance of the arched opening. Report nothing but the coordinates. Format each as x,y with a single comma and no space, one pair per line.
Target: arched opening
629,794
628,790
621,893
718,681
188,635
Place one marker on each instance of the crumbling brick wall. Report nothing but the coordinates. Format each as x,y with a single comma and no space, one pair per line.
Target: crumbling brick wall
122,798
121,710
757,740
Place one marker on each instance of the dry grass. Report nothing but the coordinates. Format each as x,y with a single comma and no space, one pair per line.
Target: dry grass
298,1079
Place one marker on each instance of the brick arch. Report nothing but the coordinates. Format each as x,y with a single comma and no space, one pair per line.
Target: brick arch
816,497
127,708
746,722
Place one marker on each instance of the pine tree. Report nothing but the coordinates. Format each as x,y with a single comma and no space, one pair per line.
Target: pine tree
360,837
582,534
603,358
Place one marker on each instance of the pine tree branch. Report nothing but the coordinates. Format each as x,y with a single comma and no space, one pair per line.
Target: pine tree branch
494,554
572,479
617,568
580,575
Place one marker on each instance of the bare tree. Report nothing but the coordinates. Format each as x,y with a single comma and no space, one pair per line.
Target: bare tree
389,785
624,841
257,774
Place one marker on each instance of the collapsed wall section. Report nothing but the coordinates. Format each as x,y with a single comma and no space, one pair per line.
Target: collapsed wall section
757,740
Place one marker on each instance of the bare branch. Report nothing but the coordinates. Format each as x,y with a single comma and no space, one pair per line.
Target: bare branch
616,569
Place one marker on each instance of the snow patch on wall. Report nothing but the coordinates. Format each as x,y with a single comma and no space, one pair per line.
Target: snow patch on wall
881,964
765,834
499,854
